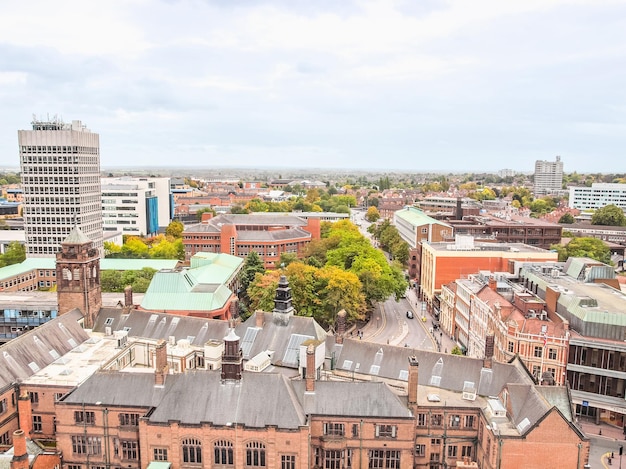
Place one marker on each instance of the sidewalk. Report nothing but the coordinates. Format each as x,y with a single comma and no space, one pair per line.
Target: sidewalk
602,431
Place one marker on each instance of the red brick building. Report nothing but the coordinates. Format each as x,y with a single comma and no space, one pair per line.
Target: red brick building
238,235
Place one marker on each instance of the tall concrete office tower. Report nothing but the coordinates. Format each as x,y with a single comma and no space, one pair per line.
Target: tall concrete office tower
60,165
548,176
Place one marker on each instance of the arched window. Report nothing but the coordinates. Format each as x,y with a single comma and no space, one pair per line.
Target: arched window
67,274
192,450
223,453
255,454
76,273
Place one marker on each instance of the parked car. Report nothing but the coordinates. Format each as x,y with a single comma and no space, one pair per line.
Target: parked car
409,314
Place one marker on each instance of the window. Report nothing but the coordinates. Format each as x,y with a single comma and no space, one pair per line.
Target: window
255,454
538,351
466,451
387,459
455,421
85,417
287,461
336,429
192,451
421,420
436,419
435,441
74,466
129,420
552,354
160,454
58,396
37,424
34,397
420,450
511,347
333,459
129,449
452,451
223,453
5,440
355,430
79,445
94,445
386,431
469,421
3,406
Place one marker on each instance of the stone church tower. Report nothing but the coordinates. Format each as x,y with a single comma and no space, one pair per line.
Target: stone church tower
78,276
283,308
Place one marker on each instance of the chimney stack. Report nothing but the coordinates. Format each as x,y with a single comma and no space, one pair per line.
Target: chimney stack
493,283
489,348
128,296
20,453
413,375
25,413
341,326
206,216
259,317
310,368
161,366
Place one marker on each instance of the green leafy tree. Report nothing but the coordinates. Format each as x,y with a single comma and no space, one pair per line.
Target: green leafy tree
251,266
111,248
175,229
456,350
610,215
135,248
201,211
584,247
567,218
286,258
14,254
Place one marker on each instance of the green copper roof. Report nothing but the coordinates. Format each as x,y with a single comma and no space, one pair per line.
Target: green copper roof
416,217
28,265
199,288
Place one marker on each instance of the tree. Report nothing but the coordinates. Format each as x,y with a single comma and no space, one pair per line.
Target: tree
175,229
14,254
584,247
567,218
372,214
251,266
456,350
204,210
610,215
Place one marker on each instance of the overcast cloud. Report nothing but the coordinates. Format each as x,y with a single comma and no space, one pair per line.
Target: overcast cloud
419,85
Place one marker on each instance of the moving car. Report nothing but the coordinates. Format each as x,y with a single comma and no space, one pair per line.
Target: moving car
409,314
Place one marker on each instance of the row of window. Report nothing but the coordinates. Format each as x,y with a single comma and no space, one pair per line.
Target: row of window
453,420
339,429
453,451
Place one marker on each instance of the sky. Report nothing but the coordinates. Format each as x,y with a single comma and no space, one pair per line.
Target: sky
415,85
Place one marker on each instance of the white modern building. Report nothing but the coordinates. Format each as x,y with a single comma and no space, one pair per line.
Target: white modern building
136,205
60,168
548,176
597,196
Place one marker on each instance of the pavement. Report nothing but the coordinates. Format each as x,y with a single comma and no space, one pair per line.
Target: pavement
605,441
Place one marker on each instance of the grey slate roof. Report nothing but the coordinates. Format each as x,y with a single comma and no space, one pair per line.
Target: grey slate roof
112,388
22,357
435,369
153,325
276,337
289,233
234,402
360,399
76,236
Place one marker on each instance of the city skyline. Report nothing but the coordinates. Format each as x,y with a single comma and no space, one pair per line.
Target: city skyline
373,85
